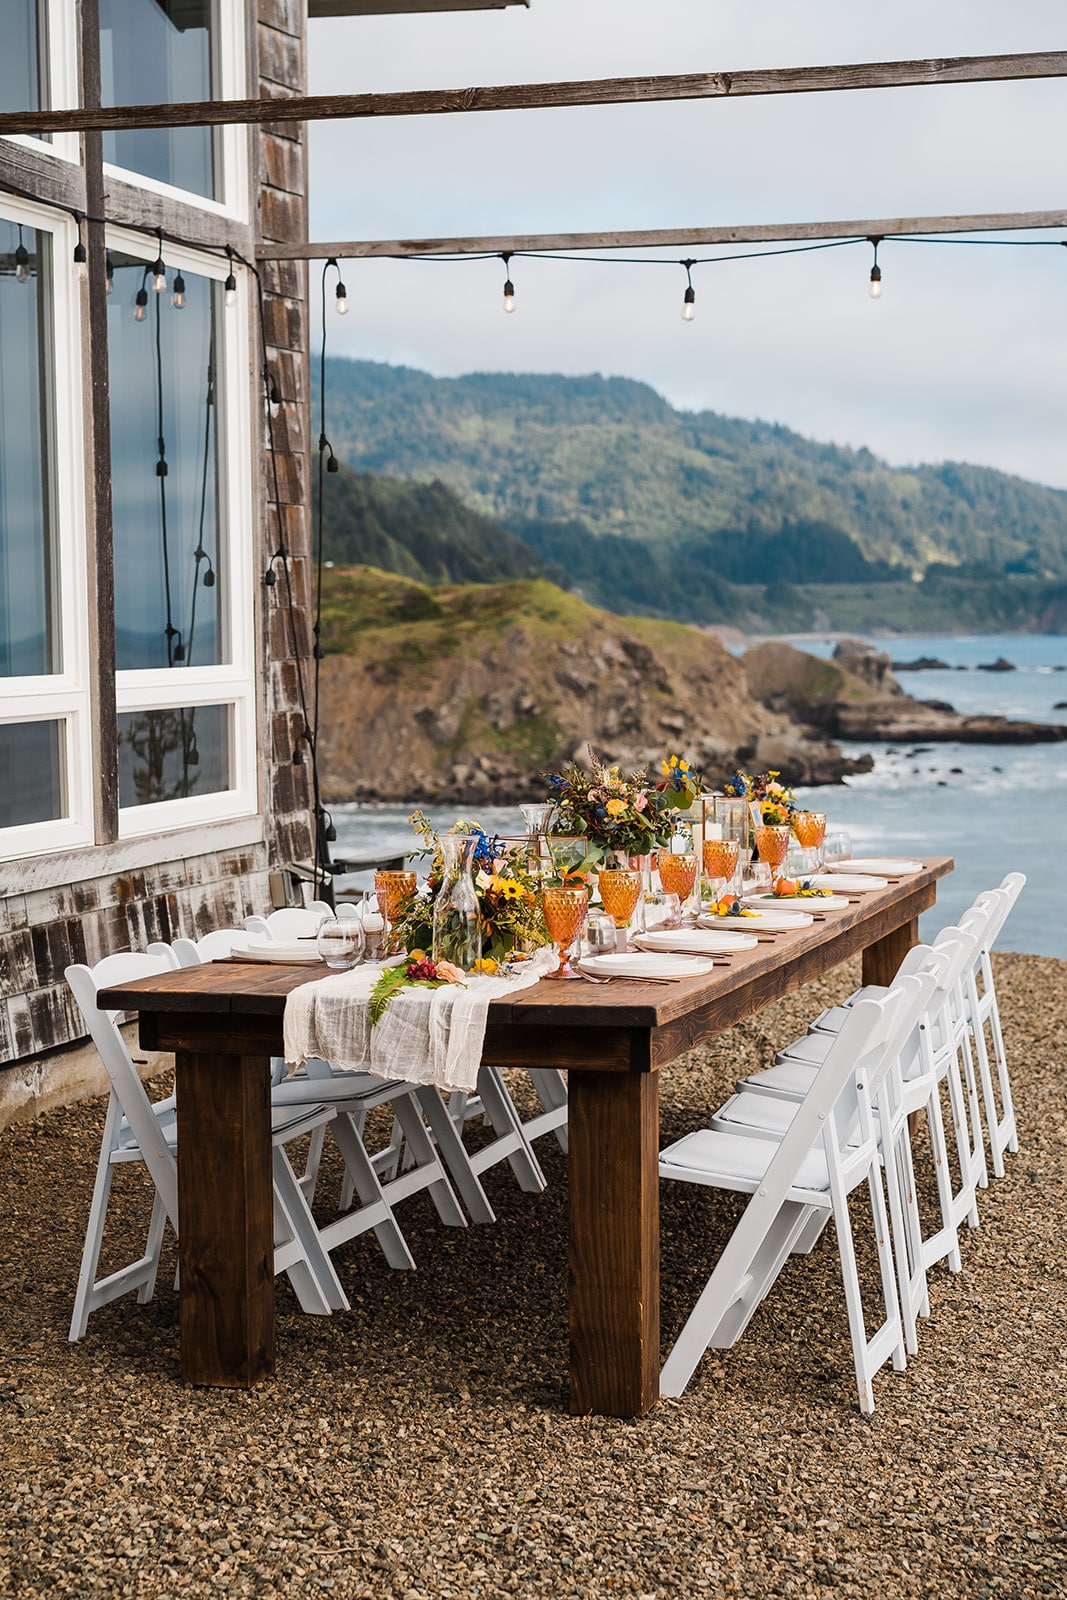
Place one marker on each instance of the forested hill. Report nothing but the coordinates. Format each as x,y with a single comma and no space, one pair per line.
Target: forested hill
690,514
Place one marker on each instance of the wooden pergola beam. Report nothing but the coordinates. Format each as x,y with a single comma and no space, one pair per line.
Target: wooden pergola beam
662,238
533,96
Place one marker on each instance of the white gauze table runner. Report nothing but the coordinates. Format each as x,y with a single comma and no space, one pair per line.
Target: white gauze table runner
425,1036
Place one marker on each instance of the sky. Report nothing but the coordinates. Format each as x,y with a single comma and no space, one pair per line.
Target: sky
963,358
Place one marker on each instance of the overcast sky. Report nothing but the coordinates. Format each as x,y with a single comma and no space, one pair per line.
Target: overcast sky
964,357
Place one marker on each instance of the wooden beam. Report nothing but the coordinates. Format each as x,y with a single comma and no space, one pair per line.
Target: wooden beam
664,238
534,96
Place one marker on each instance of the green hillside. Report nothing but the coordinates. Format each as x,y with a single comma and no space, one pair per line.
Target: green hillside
419,530
645,509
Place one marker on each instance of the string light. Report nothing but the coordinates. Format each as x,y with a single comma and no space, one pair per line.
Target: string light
229,288
177,296
509,287
140,299
690,297
159,271
81,259
340,293
109,272
22,260
875,291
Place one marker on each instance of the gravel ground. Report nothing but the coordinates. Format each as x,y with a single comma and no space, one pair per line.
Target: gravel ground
420,1445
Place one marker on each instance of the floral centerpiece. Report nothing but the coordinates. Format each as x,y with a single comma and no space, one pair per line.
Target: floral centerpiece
507,891
631,813
777,803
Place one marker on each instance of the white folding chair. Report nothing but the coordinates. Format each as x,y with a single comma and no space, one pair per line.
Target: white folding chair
828,1150
767,1116
983,1013
291,922
138,1129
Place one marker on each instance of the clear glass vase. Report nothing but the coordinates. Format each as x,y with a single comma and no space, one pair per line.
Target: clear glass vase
457,923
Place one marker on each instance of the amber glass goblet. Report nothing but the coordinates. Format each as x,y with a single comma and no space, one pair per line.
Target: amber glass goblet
678,873
720,863
620,890
772,845
565,911
810,829
392,887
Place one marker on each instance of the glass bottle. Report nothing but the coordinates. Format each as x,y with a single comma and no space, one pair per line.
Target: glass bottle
457,924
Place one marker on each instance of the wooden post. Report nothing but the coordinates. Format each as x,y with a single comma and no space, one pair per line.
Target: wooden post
614,1242
225,1219
881,959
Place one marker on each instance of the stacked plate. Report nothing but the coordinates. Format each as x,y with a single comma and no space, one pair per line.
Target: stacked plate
852,882
807,902
650,964
287,953
696,941
890,866
764,919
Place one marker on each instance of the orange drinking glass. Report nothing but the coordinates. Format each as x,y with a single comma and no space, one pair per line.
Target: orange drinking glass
720,862
620,890
810,829
392,886
678,873
772,844
565,911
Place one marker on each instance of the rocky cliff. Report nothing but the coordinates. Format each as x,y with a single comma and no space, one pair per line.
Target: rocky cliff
466,693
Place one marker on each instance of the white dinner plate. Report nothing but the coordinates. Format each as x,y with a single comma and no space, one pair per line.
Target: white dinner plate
650,965
877,864
854,882
765,917
786,902
695,941
279,951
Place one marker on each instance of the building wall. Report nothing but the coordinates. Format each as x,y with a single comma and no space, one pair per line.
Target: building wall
89,903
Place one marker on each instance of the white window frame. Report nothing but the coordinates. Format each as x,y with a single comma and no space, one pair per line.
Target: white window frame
229,82
65,695
231,682
61,73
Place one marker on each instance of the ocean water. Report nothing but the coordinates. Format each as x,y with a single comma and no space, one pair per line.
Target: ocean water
993,808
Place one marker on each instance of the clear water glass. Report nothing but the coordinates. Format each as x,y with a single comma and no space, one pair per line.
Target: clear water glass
837,846
341,942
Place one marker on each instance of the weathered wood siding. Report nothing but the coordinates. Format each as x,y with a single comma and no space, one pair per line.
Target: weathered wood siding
83,912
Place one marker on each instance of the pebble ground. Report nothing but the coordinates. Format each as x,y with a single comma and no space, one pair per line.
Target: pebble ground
420,1445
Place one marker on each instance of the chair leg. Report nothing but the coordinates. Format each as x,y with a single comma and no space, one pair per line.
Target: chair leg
943,1245
312,1274
94,1229
505,1123
1009,1132
310,1180
152,1249
420,1148
550,1087
359,1170
454,1154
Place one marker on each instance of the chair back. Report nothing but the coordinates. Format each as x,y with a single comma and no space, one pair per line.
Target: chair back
213,946
85,983
291,922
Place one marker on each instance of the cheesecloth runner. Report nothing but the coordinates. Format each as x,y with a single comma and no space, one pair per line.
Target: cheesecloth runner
425,1036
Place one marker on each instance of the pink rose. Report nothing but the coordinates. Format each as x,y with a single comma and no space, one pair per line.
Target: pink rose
641,802
450,973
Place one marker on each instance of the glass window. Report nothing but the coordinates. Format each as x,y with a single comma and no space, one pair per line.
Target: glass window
153,52
21,74
29,622
169,580
34,784
174,753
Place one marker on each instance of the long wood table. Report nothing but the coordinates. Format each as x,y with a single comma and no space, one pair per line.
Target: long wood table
223,1021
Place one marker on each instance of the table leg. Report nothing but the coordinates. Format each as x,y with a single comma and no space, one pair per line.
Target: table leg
614,1242
881,959
225,1219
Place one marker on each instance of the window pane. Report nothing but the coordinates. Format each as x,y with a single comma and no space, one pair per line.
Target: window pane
153,52
29,631
170,755
34,784
168,572
20,76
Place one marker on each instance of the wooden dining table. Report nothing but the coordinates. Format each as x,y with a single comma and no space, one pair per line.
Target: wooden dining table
223,1021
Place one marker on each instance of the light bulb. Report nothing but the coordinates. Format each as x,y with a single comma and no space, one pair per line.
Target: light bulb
109,273
22,264
342,300
159,275
177,298
509,297
229,289
689,304
80,262
140,304
875,291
